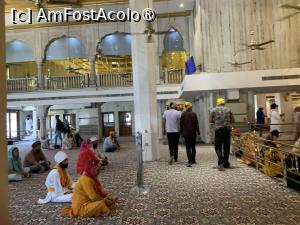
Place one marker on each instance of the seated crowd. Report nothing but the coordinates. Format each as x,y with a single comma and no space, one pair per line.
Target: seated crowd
87,196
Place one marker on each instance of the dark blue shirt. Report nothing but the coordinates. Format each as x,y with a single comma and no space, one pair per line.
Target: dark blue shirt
260,117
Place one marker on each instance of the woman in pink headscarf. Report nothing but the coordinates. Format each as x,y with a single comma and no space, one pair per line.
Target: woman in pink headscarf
85,147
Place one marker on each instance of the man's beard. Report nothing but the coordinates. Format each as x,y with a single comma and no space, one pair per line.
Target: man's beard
64,165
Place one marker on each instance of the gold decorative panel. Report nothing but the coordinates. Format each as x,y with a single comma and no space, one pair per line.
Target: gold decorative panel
173,60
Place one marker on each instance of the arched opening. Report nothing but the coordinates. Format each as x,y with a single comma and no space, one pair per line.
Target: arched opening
19,60
65,56
174,55
114,54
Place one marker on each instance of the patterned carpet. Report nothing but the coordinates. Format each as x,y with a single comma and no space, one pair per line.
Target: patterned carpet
178,195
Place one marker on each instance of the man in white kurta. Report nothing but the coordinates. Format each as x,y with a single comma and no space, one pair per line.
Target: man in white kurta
58,188
275,118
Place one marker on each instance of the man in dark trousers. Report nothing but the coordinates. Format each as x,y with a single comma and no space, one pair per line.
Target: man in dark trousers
260,119
171,120
60,128
189,128
222,117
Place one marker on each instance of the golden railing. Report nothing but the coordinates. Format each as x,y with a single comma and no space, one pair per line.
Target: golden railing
21,84
65,82
114,80
273,158
173,76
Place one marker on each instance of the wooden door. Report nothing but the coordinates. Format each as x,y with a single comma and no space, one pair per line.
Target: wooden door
125,123
108,121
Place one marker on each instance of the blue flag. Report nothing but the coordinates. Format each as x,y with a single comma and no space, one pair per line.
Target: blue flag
190,66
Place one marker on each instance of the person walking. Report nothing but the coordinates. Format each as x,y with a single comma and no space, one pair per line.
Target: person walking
275,118
260,119
189,128
222,117
171,120
60,128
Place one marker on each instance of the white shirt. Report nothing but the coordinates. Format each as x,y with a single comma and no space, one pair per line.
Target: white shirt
28,124
275,119
172,118
53,181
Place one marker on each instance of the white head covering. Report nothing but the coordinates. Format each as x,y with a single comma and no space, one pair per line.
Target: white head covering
60,156
92,139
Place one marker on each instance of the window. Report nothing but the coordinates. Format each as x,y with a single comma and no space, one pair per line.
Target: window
12,125
108,119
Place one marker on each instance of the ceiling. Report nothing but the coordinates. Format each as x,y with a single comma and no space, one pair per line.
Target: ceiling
159,4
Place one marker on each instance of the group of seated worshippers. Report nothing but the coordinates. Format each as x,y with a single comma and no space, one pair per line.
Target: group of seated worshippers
87,195
111,143
34,162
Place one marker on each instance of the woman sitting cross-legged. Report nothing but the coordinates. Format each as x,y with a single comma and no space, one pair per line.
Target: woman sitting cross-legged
89,198
15,169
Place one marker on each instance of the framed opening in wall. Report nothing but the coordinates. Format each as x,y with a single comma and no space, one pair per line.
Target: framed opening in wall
108,121
12,125
125,123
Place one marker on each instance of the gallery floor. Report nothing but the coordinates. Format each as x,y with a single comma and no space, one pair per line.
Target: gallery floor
179,195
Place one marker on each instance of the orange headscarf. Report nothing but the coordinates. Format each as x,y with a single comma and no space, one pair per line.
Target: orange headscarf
64,176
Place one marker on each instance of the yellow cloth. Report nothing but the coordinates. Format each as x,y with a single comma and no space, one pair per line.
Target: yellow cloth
220,101
51,190
84,202
64,176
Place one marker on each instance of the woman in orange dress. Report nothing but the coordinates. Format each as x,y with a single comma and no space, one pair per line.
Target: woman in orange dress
89,198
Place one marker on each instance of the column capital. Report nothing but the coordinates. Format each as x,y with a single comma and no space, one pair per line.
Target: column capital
39,61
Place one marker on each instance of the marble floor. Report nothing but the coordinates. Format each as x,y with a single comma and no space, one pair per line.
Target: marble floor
178,195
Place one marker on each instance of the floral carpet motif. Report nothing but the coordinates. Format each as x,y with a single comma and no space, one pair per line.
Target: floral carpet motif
178,195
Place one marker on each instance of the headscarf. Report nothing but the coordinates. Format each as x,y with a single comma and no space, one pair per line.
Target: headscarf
14,162
86,162
35,144
85,146
188,105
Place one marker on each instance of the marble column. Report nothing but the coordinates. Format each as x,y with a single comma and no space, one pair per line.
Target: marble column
42,112
100,121
251,106
3,144
93,78
40,74
117,123
205,103
144,83
35,123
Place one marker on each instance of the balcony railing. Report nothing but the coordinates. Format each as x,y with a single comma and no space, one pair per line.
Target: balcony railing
82,81
21,84
173,76
114,80
65,82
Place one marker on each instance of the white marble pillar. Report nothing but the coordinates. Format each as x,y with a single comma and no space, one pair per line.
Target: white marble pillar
4,214
117,123
159,118
42,112
35,123
205,103
144,83
39,64
93,78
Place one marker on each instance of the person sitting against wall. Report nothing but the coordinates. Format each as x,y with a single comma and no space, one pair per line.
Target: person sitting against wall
67,142
45,143
77,139
273,136
16,172
110,143
36,160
